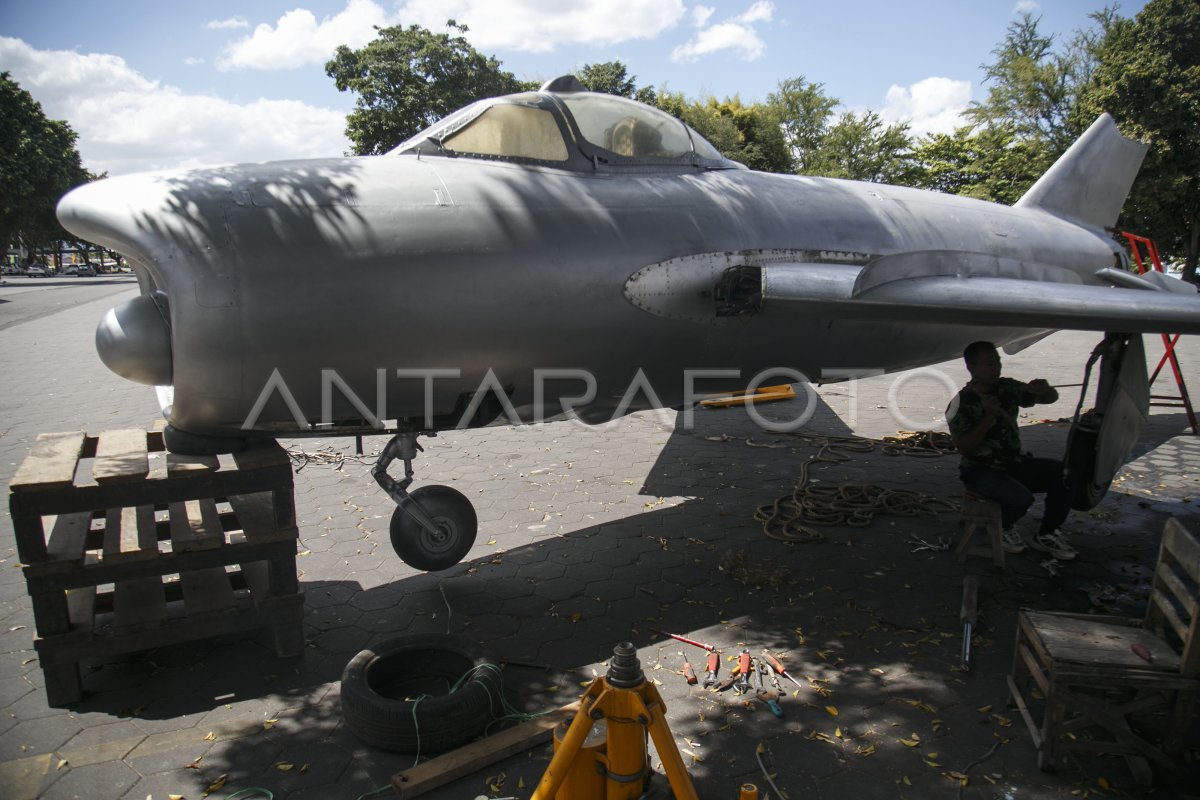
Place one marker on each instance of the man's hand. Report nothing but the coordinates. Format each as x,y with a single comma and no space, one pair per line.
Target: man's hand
991,405
1042,391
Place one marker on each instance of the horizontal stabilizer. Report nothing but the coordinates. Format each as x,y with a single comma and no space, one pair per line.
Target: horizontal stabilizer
1089,182
817,290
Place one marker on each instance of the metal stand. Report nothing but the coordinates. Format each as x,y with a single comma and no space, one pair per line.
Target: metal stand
631,709
1181,400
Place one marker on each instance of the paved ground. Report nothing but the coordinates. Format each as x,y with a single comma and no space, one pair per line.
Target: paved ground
586,539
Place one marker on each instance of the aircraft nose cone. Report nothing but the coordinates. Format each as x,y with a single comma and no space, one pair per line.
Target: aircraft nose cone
134,340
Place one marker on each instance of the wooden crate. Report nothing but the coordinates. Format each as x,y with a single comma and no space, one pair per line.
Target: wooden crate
148,548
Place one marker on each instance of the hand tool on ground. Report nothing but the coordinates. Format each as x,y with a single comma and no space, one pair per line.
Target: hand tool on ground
969,613
710,648
1141,652
774,679
689,674
767,696
920,544
778,667
742,684
710,670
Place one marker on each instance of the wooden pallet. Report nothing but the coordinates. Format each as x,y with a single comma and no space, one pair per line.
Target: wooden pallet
147,548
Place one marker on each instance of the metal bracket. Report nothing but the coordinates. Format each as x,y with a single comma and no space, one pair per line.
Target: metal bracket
405,447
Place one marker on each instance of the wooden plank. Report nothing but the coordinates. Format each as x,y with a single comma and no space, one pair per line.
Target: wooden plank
68,537
262,454
121,457
465,760
141,602
178,464
195,525
51,462
192,522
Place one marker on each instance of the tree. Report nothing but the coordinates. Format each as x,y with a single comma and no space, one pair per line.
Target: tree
38,165
612,77
1148,78
988,163
408,78
802,110
862,148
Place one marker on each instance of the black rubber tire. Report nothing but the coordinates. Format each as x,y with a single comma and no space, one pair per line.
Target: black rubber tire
195,444
455,517
380,684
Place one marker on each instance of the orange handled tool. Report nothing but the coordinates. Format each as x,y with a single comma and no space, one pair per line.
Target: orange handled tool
689,674
778,667
742,684
710,670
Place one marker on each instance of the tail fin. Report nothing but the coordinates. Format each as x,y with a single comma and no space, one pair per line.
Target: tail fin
1090,181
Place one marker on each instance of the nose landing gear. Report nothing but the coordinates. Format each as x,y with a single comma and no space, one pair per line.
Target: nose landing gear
432,528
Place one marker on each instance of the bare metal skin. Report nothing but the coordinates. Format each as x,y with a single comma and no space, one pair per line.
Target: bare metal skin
434,286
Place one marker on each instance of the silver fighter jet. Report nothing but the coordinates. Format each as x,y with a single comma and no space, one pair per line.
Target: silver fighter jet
565,253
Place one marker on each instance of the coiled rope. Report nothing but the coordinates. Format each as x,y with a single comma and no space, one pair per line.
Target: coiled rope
791,516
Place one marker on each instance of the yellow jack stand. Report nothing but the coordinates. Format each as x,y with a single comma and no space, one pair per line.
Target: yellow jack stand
630,708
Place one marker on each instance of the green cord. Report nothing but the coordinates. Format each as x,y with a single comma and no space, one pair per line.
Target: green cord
265,793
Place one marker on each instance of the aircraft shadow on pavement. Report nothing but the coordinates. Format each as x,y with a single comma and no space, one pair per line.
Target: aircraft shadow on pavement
871,626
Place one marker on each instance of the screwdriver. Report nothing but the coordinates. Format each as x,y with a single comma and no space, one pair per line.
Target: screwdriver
778,667
689,674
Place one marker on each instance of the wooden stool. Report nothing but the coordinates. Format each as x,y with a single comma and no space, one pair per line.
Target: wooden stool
148,548
979,513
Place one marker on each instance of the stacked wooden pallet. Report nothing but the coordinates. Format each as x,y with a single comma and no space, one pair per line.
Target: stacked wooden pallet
147,548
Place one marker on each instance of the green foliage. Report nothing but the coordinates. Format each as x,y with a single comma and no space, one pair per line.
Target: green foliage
610,77
408,78
802,110
861,148
1148,78
990,163
38,165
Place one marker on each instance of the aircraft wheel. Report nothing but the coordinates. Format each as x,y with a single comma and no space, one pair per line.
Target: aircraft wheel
455,518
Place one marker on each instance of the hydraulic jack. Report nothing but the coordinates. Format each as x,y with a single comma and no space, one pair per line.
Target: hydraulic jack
631,709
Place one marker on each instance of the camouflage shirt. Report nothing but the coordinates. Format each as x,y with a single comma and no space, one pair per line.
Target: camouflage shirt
1002,445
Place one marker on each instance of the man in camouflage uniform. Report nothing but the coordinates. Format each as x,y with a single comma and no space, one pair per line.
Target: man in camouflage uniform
983,422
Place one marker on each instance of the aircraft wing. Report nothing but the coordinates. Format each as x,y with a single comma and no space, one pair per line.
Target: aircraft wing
982,290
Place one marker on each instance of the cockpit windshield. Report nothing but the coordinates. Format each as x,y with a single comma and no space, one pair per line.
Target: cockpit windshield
575,129
627,128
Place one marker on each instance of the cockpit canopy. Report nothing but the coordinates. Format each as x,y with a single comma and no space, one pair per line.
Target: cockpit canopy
567,126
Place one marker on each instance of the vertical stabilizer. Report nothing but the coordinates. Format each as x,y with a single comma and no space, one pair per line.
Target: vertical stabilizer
1090,181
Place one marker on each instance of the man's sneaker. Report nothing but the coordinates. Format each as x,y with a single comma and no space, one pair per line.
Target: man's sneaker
1013,542
1055,545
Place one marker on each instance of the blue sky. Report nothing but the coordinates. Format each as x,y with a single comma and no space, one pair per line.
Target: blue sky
179,83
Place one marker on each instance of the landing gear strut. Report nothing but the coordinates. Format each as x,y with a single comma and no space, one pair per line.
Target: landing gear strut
434,527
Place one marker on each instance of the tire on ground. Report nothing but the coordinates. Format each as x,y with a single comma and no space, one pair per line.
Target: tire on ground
399,695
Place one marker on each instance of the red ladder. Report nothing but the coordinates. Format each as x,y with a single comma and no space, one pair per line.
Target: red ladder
1181,400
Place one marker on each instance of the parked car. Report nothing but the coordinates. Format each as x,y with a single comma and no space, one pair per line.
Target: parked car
85,271
10,269
37,271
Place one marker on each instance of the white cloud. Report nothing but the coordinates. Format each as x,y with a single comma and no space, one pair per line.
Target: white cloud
725,36
932,105
761,11
193,61
226,24
543,26
736,34
700,15
297,38
128,123
1027,6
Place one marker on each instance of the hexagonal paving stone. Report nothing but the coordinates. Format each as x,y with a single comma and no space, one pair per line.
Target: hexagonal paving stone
36,736
110,779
